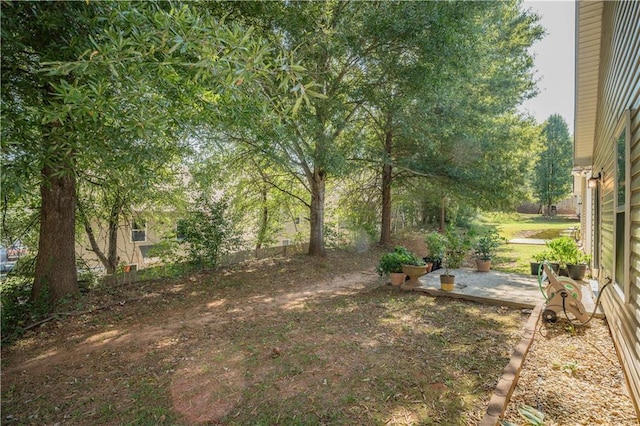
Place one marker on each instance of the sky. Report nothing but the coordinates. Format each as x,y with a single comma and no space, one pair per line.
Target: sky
554,61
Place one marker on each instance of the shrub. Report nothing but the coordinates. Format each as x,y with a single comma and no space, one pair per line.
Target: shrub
208,232
15,292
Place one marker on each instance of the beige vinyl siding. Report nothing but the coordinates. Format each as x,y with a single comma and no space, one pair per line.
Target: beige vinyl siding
619,92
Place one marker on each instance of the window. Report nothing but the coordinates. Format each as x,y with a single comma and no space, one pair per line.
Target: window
139,231
597,224
622,226
621,151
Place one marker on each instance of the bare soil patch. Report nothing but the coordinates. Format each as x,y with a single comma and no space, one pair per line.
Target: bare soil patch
277,341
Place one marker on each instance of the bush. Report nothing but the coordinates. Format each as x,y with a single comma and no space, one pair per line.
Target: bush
457,247
208,232
15,292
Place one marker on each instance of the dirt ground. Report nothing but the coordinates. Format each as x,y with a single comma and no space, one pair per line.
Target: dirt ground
279,341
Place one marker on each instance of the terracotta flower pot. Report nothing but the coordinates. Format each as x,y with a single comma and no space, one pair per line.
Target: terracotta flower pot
483,265
414,272
397,278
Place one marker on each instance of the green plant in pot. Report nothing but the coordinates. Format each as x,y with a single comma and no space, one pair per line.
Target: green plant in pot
414,267
456,249
563,250
485,247
577,266
391,264
436,245
539,258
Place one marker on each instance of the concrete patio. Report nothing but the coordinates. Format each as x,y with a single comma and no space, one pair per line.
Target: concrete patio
497,288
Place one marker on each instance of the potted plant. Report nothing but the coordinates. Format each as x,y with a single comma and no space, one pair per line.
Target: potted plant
456,248
414,267
538,258
436,244
577,267
563,250
391,264
485,247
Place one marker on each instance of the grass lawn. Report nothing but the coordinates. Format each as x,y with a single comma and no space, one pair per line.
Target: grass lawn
516,257
295,341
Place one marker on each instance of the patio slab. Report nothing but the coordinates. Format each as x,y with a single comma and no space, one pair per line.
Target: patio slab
532,241
497,288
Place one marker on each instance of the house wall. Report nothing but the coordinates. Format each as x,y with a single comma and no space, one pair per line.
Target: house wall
619,100
128,251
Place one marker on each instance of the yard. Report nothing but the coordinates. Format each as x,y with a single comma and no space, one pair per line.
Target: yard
282,341
302,341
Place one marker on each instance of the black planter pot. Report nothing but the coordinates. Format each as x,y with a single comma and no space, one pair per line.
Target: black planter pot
535,266
577,272
437,264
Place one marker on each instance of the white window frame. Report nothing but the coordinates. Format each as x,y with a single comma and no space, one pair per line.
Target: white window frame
134,229
623,283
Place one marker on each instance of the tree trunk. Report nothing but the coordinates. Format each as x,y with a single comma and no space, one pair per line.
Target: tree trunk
56,275
385,225
264,220
94,244
112,248
443,223
110,260
316,237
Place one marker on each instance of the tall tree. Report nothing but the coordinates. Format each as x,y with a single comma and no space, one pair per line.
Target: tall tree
85,77
443,95
553,168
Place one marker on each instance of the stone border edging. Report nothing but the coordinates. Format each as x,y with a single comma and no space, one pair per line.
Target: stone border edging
507,383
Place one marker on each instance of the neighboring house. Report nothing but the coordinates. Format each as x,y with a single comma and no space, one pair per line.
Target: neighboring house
135,239
607,164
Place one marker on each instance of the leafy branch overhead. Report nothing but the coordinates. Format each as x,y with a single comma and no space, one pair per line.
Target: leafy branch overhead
109,108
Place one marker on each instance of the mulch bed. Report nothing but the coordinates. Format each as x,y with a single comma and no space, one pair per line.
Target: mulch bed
573,376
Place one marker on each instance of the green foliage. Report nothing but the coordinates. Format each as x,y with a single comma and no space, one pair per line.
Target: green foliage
393,261
436,245
17,310
531,415
564,250
553,177
542,256
486,244
208,231
167,249
458,244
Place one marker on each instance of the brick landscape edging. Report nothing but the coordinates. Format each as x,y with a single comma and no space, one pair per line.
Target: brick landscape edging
511,373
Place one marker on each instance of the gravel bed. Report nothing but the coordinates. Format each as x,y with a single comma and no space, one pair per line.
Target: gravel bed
573,376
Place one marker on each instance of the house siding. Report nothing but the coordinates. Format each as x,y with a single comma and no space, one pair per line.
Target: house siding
619,94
